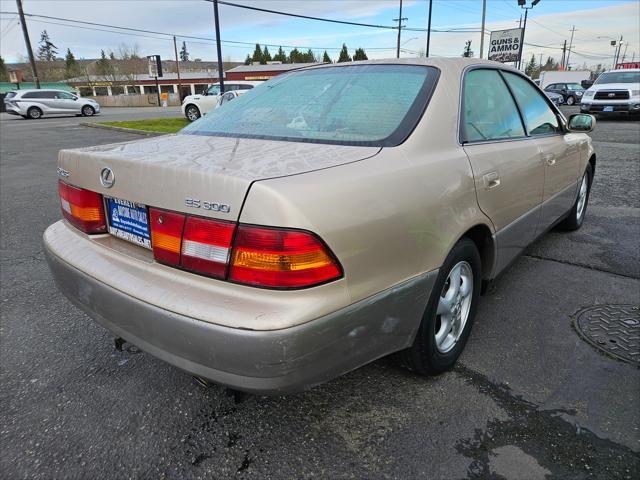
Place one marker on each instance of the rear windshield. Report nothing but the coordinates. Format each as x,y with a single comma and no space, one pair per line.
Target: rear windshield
372,105
619,77
10,95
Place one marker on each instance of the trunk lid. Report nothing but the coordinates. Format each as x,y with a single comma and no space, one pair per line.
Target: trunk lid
169,170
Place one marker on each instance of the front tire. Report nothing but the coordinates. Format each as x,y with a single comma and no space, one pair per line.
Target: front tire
192,113
88,111
448,318
576,215
34,113
571,101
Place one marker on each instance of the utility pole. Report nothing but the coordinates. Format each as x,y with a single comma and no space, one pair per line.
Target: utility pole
175,49
568,66
25,32
564,52
625,52
484,16
429,28
617,54
400,19
219,47
523,4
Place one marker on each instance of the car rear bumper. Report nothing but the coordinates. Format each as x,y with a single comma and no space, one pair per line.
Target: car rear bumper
12,110
267,361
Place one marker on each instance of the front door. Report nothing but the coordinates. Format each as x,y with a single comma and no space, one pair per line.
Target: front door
560,151
507,165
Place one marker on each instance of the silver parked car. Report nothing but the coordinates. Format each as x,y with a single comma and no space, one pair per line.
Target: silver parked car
37,103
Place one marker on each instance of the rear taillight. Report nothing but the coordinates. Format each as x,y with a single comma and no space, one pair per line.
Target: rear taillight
82,208
206,246
281,258
166,235
251,255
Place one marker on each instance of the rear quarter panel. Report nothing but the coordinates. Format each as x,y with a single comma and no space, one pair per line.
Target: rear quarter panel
390,217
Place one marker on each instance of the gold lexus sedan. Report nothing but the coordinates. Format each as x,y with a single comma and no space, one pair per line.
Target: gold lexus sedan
336,215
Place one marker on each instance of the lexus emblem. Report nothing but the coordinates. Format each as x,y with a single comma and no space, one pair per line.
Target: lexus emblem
611,95
107,178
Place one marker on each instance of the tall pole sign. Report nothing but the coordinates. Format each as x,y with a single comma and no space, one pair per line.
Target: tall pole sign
155,70
218,46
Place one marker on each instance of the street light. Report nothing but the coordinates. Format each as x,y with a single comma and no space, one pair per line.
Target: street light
523,5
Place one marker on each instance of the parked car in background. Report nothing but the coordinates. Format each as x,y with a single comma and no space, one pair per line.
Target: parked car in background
295,235
194,106
571,92
35,104
556,98
614,92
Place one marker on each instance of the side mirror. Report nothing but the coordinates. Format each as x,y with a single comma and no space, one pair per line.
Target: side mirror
205,93
581,122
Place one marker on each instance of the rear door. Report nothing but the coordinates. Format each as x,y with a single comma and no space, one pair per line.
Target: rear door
507,165
560,151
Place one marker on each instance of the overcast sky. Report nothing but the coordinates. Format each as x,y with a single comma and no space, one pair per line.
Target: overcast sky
549,25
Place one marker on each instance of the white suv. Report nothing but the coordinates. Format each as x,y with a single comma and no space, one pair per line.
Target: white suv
38,103
615,91
194,106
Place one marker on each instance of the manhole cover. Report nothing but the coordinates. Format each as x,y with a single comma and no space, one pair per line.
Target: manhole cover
614,329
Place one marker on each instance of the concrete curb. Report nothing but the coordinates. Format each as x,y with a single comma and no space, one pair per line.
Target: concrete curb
123,129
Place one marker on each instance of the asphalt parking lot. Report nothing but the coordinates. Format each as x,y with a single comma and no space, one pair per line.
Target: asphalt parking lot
529,398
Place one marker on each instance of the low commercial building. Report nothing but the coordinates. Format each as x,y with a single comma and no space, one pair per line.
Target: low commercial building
263,72
192,83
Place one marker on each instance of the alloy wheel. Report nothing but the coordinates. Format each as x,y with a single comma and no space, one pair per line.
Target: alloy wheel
454,305
582,197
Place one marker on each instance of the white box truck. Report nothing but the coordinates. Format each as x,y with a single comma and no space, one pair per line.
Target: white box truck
563,76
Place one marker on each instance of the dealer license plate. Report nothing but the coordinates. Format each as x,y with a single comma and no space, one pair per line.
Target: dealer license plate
607,109
129,221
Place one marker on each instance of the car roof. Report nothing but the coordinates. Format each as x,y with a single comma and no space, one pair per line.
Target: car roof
453,64
623,70
28,90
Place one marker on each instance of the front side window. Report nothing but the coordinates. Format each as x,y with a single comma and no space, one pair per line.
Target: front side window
574,86
538,115
372,105
65,96
213,90
489,110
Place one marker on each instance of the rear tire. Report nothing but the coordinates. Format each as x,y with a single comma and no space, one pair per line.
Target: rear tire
88,111
448,318
578,211
192,113
34,113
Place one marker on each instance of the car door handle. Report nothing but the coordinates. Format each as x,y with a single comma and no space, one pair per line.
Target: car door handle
549,159
491,180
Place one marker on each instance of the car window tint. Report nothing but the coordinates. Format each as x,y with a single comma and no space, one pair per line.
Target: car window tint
246,87
65,96
489,110
538,115
214,90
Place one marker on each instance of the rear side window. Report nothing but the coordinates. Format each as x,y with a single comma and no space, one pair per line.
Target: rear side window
10,95
39,95
246,87
538,115
489,110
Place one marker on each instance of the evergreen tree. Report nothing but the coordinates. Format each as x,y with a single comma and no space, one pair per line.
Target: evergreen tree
344,54
47,51
467,50
103,66
184,53
360,54
257,54
309,57
295,56
532,67
326,58
4,74
266,56
280,56
248,60
71,68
